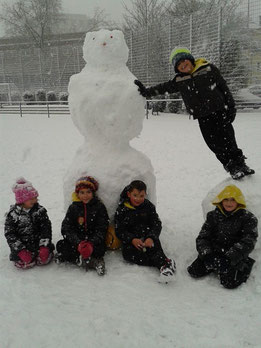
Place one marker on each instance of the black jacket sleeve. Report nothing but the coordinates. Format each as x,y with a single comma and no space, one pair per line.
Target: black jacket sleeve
44,227
246,244
121,220
223,87
155,224
160,89
69,228
101,226
11,235
203,241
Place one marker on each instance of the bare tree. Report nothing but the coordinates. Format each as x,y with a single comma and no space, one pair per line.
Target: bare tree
181,8
33,19
144,13
99,19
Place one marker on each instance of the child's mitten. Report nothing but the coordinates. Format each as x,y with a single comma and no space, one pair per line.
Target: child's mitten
85,248
141,89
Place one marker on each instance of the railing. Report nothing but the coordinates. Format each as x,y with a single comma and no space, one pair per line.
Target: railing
34,107
240,105
149,104
53,108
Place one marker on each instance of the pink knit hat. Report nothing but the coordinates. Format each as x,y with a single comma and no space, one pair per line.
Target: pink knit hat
23,190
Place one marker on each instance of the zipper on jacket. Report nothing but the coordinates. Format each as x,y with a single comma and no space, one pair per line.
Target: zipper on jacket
85,217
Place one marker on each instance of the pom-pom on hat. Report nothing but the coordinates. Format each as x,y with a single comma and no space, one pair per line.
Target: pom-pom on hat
86,182
24,190
178,54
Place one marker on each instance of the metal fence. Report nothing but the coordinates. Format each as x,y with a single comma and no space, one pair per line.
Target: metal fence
236,51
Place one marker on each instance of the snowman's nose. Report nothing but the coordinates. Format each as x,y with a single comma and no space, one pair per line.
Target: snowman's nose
104,44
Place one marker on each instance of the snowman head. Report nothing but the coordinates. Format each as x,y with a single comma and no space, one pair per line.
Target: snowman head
105,47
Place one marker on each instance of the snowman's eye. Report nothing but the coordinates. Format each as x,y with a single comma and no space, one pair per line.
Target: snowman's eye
93,38
111,36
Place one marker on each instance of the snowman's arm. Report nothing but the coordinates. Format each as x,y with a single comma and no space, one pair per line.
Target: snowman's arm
101,226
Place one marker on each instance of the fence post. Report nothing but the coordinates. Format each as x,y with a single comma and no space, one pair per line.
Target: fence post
170,34
131,51
147,109
48,112
190,31
219,35
20,107
147,48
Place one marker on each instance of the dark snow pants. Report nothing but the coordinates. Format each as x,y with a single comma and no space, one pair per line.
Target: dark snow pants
69,252
230,279
219,136
151,257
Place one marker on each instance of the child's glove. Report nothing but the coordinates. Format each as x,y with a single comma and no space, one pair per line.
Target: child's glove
141,89
43,254
85,248
231,115
25,256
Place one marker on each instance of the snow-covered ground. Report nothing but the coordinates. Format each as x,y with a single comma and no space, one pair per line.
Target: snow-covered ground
63,306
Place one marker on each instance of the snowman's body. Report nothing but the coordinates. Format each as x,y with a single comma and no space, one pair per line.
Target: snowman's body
108,111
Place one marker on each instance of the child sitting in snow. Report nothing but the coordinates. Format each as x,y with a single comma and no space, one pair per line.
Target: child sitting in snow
208,99
138,226
28,229
84,228
226,239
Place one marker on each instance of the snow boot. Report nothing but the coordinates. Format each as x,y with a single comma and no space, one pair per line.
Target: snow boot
95,263
238,169
58,258
247,170
167,271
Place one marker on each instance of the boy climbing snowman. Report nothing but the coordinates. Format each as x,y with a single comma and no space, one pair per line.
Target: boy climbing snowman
208,99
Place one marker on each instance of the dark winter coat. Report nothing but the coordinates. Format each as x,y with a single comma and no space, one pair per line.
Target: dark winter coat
203,92
86,222
27,229
232,234
137,222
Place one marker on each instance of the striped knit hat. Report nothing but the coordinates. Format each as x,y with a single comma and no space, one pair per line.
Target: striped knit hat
178,54
86,182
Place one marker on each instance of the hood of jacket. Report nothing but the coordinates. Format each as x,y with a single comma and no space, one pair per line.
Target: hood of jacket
230,191
199,63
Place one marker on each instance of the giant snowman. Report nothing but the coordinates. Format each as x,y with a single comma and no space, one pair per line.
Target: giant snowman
108,111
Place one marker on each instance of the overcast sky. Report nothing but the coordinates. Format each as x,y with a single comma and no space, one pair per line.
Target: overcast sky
113,8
